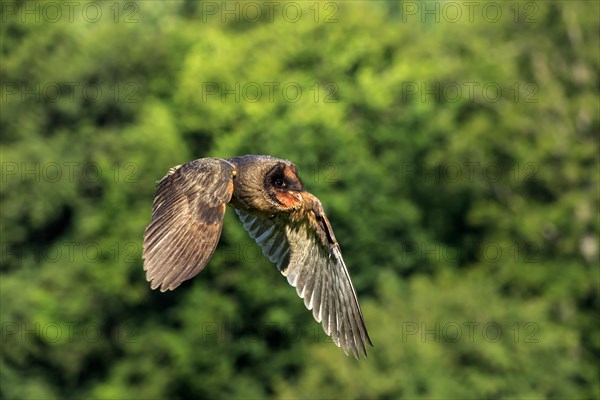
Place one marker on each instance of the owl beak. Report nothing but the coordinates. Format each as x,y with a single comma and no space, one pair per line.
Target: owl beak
297,195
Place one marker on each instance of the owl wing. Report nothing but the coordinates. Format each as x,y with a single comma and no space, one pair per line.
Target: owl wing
306,252
187,217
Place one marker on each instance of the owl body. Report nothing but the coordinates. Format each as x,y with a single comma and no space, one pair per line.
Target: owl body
288,223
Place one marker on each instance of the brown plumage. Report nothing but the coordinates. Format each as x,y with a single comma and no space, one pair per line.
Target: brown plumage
288,223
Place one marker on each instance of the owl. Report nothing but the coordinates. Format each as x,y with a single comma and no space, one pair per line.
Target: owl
288,223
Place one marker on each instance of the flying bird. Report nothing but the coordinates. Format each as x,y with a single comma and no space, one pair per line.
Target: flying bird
287,222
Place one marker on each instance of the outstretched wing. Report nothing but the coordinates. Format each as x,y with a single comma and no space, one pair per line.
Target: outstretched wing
187,217
306,252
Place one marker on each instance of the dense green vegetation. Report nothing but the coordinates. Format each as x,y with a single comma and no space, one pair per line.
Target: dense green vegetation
456,156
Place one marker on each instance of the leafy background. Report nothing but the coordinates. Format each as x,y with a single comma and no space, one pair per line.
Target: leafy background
456,156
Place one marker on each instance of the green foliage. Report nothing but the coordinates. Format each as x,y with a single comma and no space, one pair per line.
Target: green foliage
468,217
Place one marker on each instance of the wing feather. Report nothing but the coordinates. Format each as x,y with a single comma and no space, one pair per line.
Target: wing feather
187,218
306,253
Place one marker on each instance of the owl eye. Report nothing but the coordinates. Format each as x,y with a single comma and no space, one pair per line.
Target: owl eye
280,183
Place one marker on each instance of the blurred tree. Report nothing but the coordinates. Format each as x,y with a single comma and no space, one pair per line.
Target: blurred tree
457,160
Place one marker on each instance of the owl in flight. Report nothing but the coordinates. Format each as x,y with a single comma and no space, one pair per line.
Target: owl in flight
288,223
